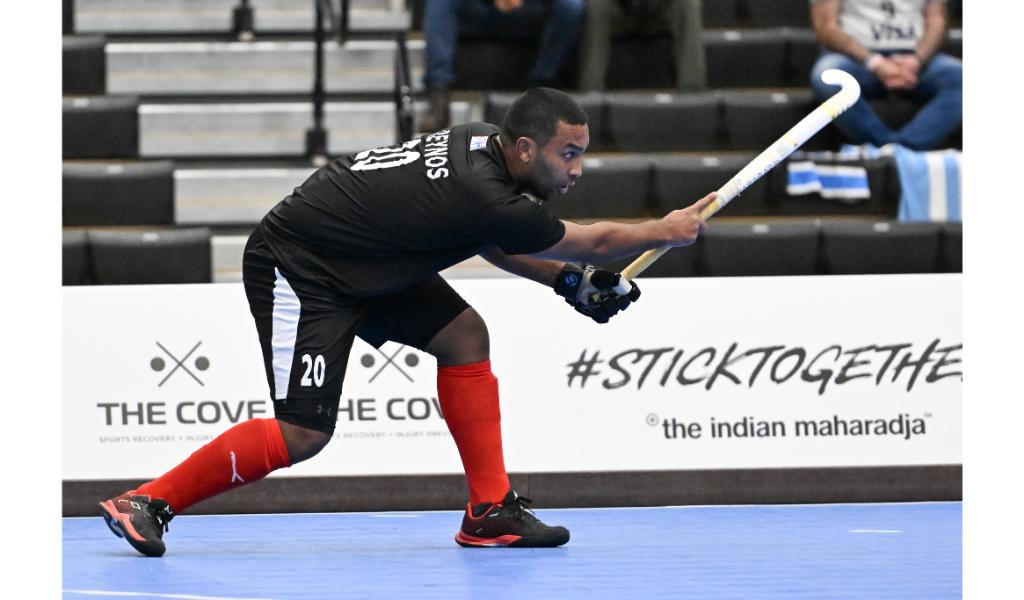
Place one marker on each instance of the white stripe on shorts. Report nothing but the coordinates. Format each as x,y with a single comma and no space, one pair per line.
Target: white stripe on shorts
282,339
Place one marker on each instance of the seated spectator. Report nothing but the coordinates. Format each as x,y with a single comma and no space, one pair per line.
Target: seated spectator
605,17
890,46
557,20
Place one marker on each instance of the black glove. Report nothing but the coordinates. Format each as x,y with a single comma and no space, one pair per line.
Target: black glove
591,291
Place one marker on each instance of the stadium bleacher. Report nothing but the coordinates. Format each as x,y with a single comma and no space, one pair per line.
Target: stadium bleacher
181,129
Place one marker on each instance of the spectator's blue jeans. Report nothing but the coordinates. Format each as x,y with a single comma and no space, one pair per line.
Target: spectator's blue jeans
940,87
560,19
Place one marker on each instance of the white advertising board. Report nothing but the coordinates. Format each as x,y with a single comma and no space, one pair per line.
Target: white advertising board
703,373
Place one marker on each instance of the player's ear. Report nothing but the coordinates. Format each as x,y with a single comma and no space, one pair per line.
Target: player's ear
526,149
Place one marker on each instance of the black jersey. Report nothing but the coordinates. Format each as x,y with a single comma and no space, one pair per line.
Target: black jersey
384,219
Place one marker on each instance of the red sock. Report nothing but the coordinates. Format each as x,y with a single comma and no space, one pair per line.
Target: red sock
243,454
469,401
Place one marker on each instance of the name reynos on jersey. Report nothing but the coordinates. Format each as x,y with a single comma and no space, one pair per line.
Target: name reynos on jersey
436,153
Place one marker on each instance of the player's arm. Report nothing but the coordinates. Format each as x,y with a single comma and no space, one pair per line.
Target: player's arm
605,241
588,289
542,271
591,290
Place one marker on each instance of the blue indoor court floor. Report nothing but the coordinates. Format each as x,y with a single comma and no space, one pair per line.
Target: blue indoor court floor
868,551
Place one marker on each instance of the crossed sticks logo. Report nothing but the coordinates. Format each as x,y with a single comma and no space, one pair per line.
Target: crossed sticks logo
410,358
200,363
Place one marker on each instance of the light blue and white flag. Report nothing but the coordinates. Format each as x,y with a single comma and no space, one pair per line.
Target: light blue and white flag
840,182
930,183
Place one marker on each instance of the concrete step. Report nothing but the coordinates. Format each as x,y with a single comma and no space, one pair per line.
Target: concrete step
215,16
261,67
225,130
235,196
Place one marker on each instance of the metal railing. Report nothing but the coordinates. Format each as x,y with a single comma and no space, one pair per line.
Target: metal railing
327,21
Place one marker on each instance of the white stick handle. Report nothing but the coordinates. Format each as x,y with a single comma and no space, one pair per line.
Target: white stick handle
767,160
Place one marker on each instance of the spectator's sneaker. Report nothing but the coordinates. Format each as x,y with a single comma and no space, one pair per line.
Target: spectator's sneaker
139,519
510,523
439,110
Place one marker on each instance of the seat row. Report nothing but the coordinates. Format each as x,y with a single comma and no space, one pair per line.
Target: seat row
124,127
613,186
728,248
191,17
776,57
131,17
815,248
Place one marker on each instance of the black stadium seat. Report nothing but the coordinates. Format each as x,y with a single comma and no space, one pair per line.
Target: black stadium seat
716,14
101,127
802,50
84,65
75,259
746,58
166,256
664,122
776,13
952,247
851,248
593,103
681,180
118,194
611,187
753,120
677,262
954,44
883,185
735,249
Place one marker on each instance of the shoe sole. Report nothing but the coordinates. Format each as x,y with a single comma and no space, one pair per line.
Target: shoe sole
506,541
122,527
470,541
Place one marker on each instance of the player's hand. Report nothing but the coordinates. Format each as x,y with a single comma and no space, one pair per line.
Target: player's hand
686,224
591,291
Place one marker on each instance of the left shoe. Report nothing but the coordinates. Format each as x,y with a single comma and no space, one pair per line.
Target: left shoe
139,519
510,523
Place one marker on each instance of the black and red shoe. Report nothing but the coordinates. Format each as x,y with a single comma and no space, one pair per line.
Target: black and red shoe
139,519
510,523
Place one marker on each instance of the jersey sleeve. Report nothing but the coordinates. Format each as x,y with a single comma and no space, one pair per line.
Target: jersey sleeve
518,225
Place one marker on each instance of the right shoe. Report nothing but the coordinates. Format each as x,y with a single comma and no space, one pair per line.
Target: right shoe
439,112
510,523
139,519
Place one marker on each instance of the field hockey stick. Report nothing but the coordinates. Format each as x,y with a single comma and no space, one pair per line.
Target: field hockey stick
765,161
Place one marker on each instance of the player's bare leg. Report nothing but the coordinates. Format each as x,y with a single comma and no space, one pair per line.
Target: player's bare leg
468,392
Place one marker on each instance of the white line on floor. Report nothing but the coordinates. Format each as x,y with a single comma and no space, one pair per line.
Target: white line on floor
156,595
592,508
875,531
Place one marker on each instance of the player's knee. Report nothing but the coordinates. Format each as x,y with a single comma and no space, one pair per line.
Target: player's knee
463,341
303,443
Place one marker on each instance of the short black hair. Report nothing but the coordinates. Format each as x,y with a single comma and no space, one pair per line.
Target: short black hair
536,114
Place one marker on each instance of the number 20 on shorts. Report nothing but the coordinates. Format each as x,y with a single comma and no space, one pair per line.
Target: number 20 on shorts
315,368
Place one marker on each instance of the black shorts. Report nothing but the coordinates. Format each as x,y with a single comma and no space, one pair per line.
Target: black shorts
306,329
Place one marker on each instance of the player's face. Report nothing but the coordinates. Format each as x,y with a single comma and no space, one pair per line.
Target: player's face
561,160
